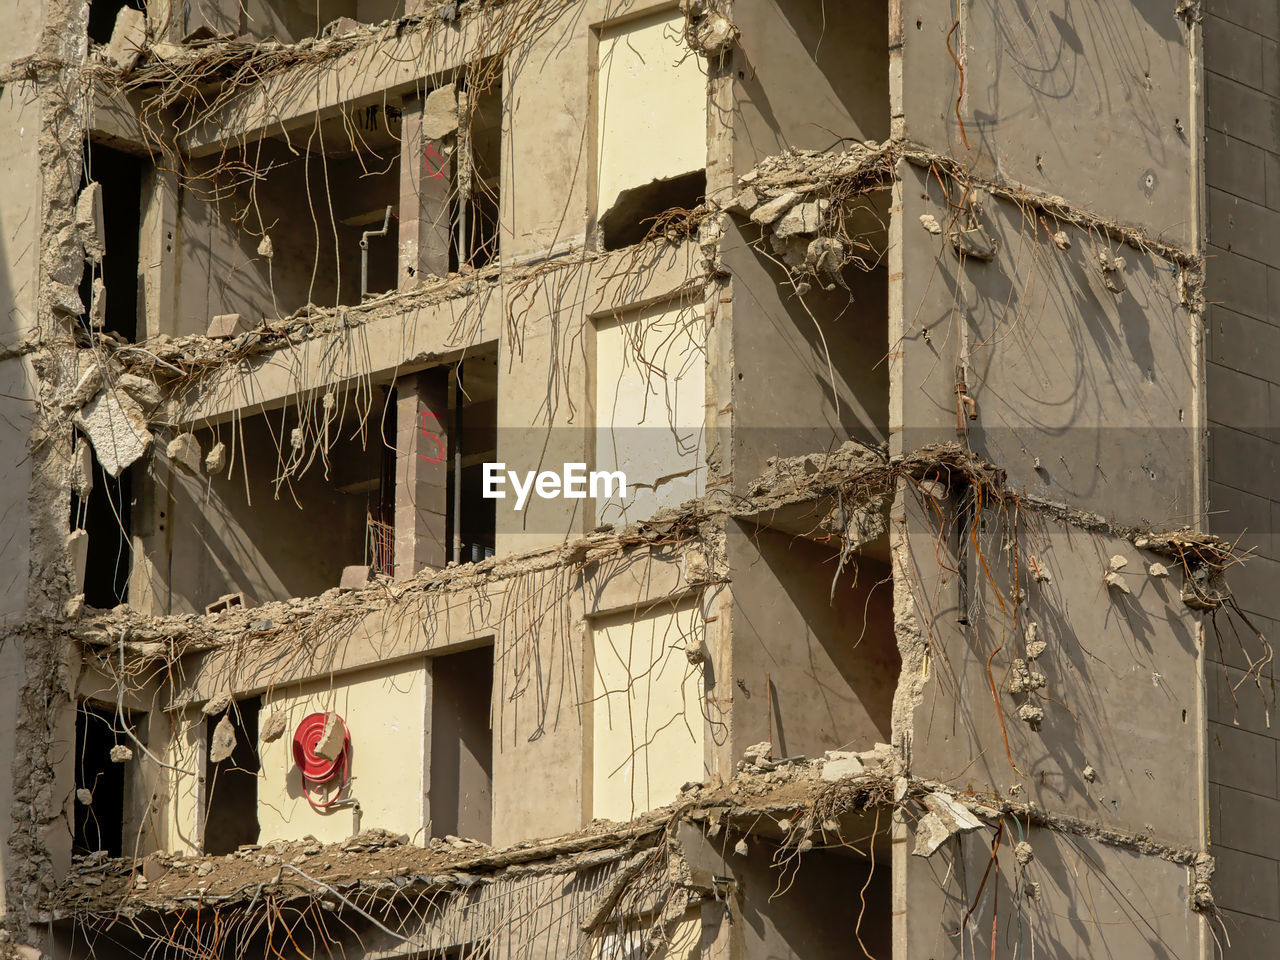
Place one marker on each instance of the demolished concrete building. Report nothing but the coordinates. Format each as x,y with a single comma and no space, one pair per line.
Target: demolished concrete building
628,478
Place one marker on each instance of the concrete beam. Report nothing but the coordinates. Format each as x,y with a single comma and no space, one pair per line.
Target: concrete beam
426,183
422,472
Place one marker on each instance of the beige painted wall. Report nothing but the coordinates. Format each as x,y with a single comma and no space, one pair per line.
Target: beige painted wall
384,709
650,408
647,729
651,105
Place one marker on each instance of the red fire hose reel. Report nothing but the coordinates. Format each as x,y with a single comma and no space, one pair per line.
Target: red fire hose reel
320,772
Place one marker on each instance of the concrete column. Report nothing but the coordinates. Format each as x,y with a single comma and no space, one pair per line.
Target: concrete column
426,180
422,472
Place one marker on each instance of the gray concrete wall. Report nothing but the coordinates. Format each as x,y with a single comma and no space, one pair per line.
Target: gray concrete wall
828,654
1242,91
808,73
233,533
786,351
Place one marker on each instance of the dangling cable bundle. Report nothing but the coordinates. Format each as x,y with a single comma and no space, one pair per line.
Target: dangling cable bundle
317,769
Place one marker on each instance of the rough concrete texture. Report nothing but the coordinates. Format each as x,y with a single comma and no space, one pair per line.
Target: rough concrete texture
951,369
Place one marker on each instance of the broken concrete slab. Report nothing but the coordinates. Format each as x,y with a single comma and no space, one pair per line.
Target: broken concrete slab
145,392
227,325
353,578
223,742
82,470
117,428
64,299
78,548
840,765
767,213
217,705
440,112
89,222
86,388
946,817
128,38
184,452
803,218
98,304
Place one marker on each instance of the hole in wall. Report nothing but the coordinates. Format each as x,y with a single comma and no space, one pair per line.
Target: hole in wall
102,16
231,785
631,217
99,824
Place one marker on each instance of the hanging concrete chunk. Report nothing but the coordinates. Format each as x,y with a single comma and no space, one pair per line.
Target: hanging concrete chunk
802,218
945,818
217,458
89,221
98,304
84,796
331,740
440,112
274,727
65,300
82,470
223,743
184,452
86,388
117,428
1116,583
217,705
121,754
128,38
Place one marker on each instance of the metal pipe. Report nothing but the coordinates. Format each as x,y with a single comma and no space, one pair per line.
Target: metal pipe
364,252
457,465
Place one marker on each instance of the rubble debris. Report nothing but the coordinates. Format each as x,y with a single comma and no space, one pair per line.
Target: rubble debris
1112,272
840,764
128,38
143,390
89,222
225,602
217,458
1023,679
1089,773
945,818
64,300
707,30
86,388
1061,240
440,112
803,218
274,726
1034,645
930,223
1023,853
973,243
121,753
743,203
117,428
84,797
184,452
1158,570
1117,563
228,324
757,753
223,742
266,249
768,213
740,848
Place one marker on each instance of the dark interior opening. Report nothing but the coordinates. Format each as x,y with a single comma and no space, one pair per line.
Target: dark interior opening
231,786
102,16
106,518
99,824
121,178
477,427
461,774
382,508
632,215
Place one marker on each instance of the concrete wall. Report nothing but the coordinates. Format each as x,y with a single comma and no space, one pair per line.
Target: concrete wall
808,73
1090,103
1084,395
811,372
205,536
651,105
647,709
1242,93
650,407
1123,692
813,649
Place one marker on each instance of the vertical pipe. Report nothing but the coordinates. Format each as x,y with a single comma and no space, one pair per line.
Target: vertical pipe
457,464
